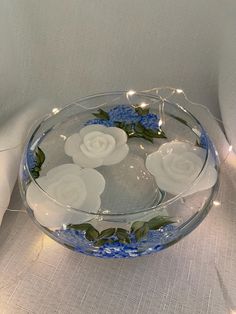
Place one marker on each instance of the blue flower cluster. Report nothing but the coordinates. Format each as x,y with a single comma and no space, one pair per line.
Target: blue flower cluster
203,140
206,143
31,160
150,121
155,241
128,115
123,113
100,121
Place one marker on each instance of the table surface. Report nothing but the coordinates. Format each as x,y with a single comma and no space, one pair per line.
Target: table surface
196,275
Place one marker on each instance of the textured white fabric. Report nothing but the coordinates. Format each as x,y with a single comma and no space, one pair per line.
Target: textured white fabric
9,165
13,133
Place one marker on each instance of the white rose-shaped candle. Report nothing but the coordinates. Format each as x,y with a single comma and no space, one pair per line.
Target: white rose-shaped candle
69,185
97,145
176,165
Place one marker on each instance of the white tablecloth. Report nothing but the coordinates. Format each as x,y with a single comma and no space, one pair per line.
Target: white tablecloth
197,275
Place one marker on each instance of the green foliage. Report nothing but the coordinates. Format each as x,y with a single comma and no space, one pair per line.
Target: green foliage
39,157
139,229
134,129
102,114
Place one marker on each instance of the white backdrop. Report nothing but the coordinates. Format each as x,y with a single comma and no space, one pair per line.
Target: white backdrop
61,49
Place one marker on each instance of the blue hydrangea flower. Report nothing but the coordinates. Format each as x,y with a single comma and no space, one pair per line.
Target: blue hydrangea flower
150,121
155,240
100,121
203,140
123,113
31,160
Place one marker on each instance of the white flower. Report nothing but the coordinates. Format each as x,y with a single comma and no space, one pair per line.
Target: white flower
70,185
97,145
175,165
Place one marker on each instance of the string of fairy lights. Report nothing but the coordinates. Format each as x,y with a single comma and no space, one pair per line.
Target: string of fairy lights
170,92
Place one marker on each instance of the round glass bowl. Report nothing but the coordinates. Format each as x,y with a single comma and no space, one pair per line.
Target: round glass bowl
119,174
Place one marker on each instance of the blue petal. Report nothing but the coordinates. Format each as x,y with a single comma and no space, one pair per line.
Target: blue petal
150,121
123,113
31,159
203,140
100,121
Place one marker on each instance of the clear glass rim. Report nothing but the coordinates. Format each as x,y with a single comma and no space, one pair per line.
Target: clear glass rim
158,207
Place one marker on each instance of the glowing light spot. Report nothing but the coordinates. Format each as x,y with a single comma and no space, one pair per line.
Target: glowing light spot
230,148
179,91
141,146
131,93
143,105
131,167
55,110
217,203
63,137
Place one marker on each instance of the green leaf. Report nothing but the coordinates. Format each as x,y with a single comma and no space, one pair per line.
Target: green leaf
142,111
122,235
148,138
81,227
156,134
102,115
35,174
150,133
159,221
162,135
68,246
125,241
135,134
136,225
129,129
139,128
197,143
101,242
107,233
119,124
139,131
91,233
141,232
40,156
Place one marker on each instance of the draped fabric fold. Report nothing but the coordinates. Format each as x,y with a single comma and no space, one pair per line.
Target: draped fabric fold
13,134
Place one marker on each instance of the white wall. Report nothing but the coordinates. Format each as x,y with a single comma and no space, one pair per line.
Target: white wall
62,49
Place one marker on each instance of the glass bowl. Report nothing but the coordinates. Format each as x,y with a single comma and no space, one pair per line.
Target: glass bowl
119,174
